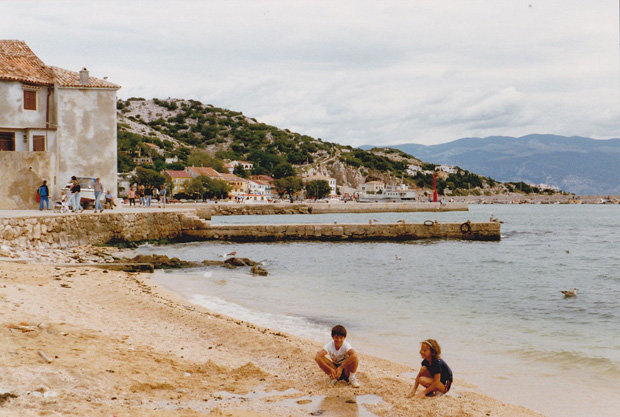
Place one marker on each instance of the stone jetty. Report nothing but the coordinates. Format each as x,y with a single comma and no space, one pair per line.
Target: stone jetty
62,231
322,208
353,232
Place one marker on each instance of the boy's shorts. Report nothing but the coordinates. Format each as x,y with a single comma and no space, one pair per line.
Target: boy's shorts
343,377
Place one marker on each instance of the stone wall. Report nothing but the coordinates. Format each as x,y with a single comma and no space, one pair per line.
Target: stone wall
22,173
320,208
61,231
372,231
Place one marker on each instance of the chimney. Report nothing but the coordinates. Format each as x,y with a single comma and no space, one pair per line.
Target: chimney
84,76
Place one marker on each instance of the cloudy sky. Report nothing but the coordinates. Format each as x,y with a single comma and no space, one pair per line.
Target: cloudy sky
352,72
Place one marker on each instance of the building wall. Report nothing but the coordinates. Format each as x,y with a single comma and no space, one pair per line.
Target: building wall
22,173
12,113
87,135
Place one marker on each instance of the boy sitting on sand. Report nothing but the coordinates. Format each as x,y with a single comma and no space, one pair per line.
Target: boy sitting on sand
342,362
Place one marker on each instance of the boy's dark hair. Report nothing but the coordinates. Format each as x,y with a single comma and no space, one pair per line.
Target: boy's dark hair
339,330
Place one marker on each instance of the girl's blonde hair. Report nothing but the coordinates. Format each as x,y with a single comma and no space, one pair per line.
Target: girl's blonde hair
435,348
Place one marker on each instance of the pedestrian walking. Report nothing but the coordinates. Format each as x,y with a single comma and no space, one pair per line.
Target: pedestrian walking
76,195
44,196
132,196
163,193
98,191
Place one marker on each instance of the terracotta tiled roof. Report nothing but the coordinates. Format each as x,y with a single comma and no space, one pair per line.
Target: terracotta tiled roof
232,177
206,171
66,78
178,174
262,177
19,63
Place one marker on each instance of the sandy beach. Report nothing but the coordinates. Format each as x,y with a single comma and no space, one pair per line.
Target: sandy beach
79,341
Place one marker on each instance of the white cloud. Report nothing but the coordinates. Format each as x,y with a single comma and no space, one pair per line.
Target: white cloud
352,72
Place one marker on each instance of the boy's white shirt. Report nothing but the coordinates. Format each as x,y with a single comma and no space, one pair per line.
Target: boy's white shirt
337,356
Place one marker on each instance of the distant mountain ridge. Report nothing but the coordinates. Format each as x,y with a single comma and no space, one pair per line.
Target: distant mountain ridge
575,164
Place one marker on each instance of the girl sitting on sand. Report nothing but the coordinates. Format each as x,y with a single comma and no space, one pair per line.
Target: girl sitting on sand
435,374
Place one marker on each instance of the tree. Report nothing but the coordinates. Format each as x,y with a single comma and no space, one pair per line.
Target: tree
146,176
288,186
194,188
317,189
240,171
283,170
125,163
205,159
214,188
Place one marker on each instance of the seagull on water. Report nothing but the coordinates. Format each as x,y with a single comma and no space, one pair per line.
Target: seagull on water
572,293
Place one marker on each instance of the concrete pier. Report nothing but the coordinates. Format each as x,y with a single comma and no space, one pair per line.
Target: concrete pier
61,231
353,232
322,208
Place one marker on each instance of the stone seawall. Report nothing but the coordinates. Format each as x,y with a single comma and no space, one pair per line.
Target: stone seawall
61,231
321,208
373,231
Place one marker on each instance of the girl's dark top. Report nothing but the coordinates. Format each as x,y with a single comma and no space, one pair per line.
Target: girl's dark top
76,188
439,367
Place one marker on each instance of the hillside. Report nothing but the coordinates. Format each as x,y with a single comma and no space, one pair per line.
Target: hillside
576,164
195,133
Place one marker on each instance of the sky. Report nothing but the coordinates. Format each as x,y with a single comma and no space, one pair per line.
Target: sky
351,72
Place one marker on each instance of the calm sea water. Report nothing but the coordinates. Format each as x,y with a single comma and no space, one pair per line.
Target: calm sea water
495,307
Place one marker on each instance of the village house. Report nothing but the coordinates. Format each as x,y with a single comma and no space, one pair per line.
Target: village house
413,170
54,123
331,181
178,179
237,184
446,168
155,148
230,166
372,187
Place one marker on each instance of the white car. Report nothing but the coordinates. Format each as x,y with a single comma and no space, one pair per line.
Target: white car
87,191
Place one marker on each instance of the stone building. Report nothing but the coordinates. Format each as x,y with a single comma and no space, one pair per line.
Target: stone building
54,123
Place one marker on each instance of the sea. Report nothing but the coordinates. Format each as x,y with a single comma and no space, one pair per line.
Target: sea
496,308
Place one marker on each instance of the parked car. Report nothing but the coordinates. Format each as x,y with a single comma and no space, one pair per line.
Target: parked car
87,193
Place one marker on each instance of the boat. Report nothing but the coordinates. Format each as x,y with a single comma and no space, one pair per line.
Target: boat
389,195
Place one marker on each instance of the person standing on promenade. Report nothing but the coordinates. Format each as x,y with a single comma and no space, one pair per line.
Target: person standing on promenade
148,194
44,195
162,195
76,195
141,194
132,196
342,361
435,375
98,191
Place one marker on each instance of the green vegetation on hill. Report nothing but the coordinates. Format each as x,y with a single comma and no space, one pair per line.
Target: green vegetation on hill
204,135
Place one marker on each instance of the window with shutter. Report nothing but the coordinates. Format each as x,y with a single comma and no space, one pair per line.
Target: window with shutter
30,100
7,141
38,143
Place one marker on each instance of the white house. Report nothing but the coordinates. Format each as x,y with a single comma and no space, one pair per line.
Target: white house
446,168
54,123
331,181
372,187
233,164
413,169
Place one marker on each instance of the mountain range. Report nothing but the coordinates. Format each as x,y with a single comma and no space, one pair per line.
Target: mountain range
576,164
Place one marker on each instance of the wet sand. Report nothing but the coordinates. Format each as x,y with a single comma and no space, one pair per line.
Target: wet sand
79,341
